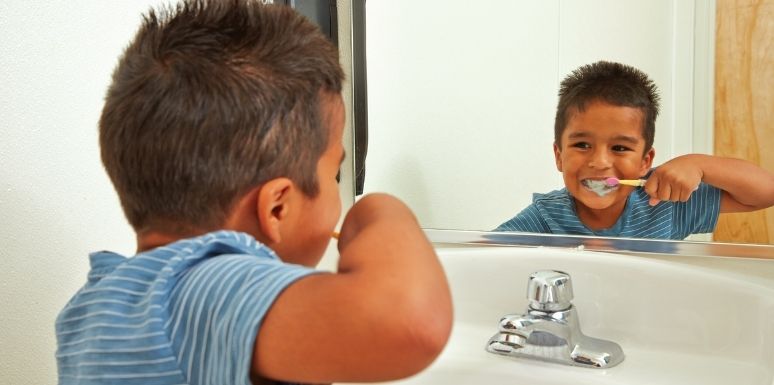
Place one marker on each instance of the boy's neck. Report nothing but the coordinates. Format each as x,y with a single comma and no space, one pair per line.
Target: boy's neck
148,240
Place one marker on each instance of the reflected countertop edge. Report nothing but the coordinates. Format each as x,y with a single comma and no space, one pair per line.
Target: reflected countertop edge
607,244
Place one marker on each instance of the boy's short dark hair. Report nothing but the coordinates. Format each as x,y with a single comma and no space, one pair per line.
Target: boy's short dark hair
211,99
614,83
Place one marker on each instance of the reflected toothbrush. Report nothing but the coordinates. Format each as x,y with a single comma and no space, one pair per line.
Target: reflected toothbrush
613,181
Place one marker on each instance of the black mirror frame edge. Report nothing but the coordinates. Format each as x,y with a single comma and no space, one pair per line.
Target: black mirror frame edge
360,93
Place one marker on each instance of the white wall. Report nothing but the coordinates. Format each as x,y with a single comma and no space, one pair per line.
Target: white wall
56,202
462,95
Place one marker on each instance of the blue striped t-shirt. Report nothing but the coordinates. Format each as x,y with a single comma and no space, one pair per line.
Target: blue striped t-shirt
555,213
185,313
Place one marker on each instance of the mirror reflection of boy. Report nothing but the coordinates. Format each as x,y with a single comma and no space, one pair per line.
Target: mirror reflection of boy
222,134
604,127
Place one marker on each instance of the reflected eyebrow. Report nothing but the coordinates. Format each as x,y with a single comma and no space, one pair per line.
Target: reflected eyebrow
626,138
579,134
618,138
343,156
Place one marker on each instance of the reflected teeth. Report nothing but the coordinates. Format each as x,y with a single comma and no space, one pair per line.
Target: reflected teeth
597,186
593,182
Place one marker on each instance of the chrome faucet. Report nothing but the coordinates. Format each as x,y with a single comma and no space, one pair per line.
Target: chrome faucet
550,330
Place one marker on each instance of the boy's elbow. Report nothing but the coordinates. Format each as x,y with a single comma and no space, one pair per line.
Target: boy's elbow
414,327
767,195
765,201
436,336
427,330
770,193
431,333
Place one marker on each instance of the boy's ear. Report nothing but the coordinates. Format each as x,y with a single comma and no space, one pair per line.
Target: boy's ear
647,161
558,157
273,206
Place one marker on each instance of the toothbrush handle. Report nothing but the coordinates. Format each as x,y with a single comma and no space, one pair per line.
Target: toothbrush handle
632,182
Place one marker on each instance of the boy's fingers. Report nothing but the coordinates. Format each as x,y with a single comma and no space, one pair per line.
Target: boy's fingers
685,194
676,193
665,192
651,186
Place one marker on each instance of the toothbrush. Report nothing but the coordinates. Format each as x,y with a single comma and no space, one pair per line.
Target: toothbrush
613,181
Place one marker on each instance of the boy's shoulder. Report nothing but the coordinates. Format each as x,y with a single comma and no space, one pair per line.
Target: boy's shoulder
557,210
179,256
156,299
145,275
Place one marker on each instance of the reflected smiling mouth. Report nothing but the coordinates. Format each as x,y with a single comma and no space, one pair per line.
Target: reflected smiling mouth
598,186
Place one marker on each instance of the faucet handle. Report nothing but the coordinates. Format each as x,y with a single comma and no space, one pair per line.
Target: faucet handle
549,290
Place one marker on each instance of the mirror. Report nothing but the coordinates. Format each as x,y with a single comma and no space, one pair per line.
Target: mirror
461,96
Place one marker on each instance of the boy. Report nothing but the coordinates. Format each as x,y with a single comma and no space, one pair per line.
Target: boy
222,134
604,127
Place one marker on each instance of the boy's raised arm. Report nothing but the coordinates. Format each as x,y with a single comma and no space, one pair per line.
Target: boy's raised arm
386,314
746,186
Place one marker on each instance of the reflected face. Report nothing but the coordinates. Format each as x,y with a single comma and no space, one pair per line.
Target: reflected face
319,215
600,142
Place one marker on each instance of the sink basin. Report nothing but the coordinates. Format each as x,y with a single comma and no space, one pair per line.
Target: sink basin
677,324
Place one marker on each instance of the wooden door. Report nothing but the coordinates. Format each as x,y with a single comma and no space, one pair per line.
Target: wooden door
744,103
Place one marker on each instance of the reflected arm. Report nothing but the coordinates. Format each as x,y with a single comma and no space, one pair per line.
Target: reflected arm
746,187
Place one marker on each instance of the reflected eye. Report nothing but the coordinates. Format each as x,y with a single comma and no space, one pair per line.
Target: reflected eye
581,145
619,148
338,176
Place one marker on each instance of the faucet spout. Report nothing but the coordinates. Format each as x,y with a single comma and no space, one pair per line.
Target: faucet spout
550,329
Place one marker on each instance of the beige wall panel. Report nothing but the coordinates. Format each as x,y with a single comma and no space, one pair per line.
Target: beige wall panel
744,103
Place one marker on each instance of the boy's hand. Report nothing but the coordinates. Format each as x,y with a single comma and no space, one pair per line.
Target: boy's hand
675,180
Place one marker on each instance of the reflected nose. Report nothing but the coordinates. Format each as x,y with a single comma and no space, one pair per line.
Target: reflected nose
600,159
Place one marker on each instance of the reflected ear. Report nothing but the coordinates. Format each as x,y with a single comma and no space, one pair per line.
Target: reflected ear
558,157
647,161
273,206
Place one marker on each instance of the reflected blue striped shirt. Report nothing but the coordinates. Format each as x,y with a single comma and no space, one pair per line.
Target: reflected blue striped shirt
555,213
185,313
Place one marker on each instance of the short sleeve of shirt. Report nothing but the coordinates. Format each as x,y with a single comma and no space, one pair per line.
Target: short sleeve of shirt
219,306
699,214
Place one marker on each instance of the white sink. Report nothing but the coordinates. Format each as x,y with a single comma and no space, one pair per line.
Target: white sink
677,324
